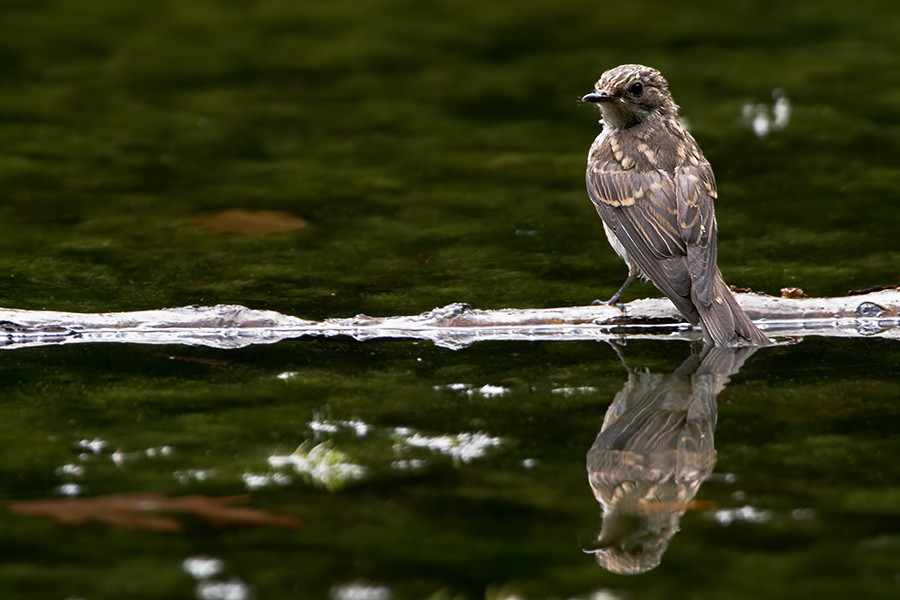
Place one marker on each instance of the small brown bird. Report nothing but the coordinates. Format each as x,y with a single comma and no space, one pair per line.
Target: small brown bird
654,191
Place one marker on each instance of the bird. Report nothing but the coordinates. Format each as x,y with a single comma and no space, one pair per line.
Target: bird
655,449
654,192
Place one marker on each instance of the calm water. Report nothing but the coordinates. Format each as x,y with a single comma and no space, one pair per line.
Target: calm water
436,151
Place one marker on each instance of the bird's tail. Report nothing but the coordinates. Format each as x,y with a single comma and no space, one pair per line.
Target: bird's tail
724,322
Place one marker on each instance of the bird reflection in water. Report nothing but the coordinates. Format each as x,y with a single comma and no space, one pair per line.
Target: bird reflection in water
652,454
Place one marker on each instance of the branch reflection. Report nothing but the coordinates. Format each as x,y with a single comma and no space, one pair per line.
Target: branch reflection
652,454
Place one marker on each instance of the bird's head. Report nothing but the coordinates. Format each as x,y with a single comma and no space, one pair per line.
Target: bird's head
630,94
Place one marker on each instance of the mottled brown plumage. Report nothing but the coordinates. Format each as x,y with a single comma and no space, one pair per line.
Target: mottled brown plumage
654,451
654,191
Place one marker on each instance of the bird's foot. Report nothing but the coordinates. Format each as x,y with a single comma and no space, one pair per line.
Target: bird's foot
614,300
611,302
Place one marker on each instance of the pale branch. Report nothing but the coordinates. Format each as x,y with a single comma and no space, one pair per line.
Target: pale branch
875,314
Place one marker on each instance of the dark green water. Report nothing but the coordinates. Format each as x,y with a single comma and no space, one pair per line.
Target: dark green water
437,152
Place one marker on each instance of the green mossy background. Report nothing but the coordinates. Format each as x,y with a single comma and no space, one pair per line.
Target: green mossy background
437,151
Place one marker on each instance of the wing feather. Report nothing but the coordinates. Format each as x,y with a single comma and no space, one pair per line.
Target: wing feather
640,208
695,190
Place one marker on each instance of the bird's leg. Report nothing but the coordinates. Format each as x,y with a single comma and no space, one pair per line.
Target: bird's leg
614,301
615,345
615,297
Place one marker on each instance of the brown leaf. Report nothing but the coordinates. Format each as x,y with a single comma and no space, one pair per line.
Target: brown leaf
142,511
793,292
249,222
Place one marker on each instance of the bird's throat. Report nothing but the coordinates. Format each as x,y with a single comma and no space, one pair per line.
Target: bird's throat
617,116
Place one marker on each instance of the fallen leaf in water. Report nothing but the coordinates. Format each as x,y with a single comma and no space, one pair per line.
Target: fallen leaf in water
142,511
793,292
251,222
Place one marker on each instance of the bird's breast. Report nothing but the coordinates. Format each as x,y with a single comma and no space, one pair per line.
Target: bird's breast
620,250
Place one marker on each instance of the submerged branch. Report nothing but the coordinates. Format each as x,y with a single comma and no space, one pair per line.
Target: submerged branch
875,314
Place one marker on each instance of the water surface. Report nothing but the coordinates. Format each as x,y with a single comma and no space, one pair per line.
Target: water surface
437,152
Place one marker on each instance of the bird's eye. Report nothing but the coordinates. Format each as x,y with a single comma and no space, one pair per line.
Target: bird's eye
636,89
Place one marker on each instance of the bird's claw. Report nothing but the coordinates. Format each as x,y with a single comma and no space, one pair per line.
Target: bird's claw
611,302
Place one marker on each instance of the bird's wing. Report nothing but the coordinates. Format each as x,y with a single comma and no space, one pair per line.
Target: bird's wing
641,209
695,190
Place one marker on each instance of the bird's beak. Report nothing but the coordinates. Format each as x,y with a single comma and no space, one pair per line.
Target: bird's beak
601,96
